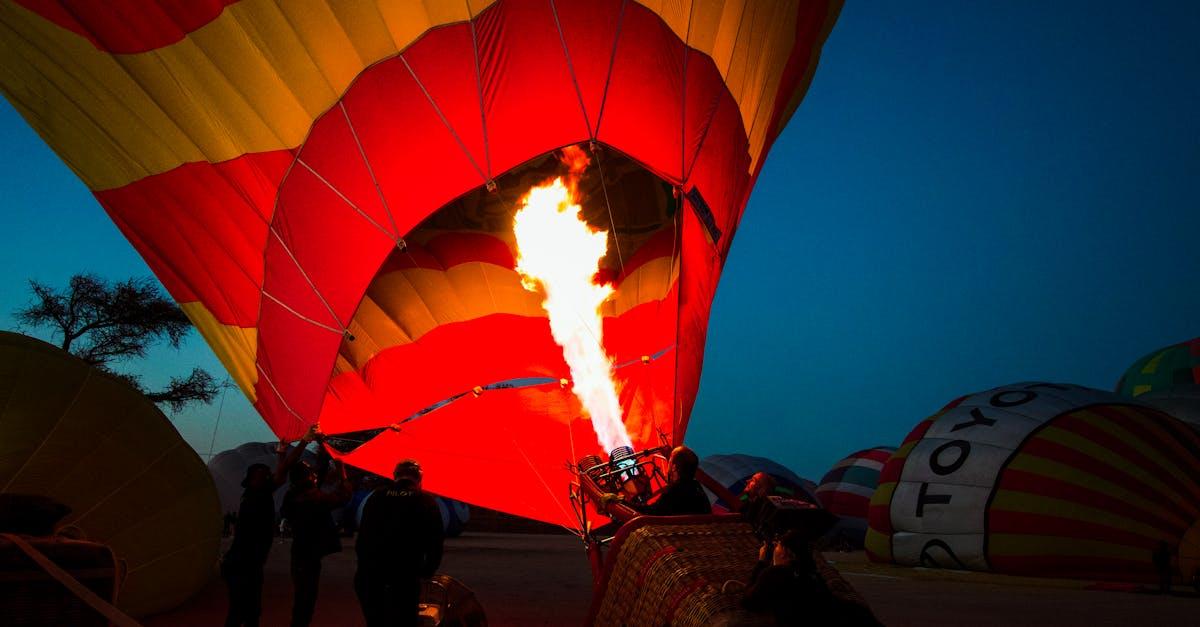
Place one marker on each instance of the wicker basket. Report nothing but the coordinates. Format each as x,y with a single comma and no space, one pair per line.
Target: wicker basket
671,571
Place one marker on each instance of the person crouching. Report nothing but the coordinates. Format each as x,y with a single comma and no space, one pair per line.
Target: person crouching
399,543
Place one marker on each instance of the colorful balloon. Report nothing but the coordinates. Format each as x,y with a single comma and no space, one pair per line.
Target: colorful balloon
1174,365
327,189
847,488
90,441
1041,479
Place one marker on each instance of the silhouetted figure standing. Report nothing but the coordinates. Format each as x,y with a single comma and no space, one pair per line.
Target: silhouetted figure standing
309,512
253,534
399,543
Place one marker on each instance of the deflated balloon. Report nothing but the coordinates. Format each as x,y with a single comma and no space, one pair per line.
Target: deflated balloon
1042,479
90,441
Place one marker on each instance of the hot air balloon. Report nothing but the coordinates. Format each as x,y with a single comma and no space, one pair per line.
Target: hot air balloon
734,471
847,488
1169,379
328,190
1174,365
1041,479
90,441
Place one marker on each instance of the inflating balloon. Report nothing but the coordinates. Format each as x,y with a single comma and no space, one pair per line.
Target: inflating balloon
1041,479
328,190
90,441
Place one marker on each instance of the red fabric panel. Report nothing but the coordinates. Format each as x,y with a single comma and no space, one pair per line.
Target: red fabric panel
697,283
640,90
128,26
452,249
506,450
1021,523
589,30
338,249
454,358
445,65
529,98
845,504
290,351
333,154
202,229
1041,485
418,164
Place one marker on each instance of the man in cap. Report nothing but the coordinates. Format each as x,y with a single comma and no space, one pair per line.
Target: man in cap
253,534
308,509
399,543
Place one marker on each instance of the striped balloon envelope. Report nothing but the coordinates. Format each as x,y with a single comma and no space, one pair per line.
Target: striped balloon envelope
1042,479
328,190
847,488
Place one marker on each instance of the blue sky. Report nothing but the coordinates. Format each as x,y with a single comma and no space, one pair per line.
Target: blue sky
970,195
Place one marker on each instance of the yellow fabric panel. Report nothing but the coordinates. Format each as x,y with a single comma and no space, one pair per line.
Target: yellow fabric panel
251,80
1106,456
89,440
750,42
1152,366
1069,474
1138,390
1148,450
236,347
1022,545
402,305
878,542
649,282
256,77
1011,501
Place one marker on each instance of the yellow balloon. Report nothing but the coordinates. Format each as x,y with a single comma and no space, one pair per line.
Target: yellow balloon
87,439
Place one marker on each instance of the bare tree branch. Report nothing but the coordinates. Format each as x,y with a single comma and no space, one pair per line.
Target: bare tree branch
102,323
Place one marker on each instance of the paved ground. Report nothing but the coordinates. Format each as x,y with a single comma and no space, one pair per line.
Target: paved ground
530,580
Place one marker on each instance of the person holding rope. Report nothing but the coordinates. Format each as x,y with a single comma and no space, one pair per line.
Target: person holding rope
308,509
253,534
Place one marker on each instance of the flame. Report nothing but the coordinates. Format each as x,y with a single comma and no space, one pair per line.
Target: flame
559,253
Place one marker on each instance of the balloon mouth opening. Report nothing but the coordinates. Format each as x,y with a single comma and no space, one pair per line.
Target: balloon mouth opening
454,284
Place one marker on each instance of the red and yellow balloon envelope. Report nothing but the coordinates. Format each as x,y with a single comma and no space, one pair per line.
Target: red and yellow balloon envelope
328,189
1042,479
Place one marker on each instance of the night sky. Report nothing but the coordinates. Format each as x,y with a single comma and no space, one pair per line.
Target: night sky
971,194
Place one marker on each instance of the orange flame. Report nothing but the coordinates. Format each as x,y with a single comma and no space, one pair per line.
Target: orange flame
559,253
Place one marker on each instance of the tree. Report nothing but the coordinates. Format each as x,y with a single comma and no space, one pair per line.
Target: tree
102,322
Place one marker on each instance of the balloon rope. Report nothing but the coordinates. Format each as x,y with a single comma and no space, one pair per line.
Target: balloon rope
611,220
367,162
571,68
220,409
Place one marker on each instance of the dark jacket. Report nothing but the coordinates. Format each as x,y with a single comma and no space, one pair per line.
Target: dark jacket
400,532
679,499
254,531
309,512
